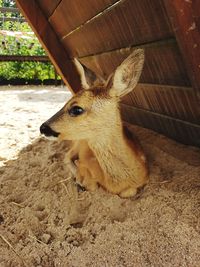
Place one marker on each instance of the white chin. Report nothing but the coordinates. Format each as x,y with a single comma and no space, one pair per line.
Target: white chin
52,138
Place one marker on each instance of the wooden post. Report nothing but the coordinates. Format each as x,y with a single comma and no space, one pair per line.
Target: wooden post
56,77
185,19
50,41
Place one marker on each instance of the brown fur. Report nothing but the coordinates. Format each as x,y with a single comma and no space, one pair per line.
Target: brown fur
104,151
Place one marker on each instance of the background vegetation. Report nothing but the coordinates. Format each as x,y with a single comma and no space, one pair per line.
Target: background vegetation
17,46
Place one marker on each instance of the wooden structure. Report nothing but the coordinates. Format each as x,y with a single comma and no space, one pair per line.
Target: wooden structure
101,33
23,58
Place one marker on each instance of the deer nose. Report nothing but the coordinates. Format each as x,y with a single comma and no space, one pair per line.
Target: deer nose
47,131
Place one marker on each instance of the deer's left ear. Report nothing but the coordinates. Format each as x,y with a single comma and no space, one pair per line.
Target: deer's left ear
88,77
127,75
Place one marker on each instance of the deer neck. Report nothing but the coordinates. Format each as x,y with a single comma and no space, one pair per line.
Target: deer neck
111,149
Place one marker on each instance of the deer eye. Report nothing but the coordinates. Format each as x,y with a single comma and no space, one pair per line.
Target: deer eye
75,111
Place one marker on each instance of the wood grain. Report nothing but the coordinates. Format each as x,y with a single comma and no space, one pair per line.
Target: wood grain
185,17
163,63
129,23
71,14
50,42
173,101
179,130
48,6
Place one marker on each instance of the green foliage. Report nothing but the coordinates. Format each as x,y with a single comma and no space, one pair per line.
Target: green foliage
26,70
10,45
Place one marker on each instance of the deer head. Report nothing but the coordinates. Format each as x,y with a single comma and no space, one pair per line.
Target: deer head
94,110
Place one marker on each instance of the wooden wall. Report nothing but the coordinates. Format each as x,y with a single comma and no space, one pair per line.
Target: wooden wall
101,33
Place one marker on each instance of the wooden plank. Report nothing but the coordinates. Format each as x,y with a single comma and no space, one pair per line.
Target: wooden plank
12,19
129,23
48,6
185,17
23,58
9,10
71,14
196,13
163,63
177,102
50,42
179,130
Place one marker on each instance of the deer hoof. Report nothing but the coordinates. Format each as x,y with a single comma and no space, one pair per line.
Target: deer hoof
129,192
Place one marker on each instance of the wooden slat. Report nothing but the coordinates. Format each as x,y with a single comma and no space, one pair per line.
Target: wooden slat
163,63
48,6
177,102
9,10
179,130
196,13
23,58
71,14
12,19
185,17
129,23
50,42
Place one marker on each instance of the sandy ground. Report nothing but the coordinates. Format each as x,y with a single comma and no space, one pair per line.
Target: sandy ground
44,221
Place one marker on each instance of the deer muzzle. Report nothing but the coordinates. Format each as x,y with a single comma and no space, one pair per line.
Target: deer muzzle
46,130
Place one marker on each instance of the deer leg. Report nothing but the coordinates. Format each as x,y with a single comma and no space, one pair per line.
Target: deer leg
72,167
122,188
70,158
129,192
84,177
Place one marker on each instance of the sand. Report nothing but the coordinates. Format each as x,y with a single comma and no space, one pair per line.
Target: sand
45,221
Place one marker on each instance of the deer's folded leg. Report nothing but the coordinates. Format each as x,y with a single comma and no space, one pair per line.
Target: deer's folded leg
129,192
72,167
84,177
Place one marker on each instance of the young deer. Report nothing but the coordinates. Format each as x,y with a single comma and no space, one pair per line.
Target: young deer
104,151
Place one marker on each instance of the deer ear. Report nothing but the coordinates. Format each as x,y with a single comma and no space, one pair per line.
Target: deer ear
88,77
127,75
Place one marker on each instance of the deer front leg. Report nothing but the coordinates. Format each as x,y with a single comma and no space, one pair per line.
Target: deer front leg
124,188
129,192
72,167
70,158
84,177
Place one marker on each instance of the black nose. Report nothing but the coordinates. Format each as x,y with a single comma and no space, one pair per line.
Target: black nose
47,131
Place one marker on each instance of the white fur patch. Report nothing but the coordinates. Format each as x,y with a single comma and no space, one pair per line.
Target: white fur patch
82,73
118,82
128,73
52,138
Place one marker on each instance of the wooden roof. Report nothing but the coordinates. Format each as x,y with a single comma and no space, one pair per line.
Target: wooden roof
101,33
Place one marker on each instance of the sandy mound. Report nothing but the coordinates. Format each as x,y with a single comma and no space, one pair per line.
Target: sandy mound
48,223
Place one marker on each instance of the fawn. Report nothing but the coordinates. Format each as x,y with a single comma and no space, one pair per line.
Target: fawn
104,151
